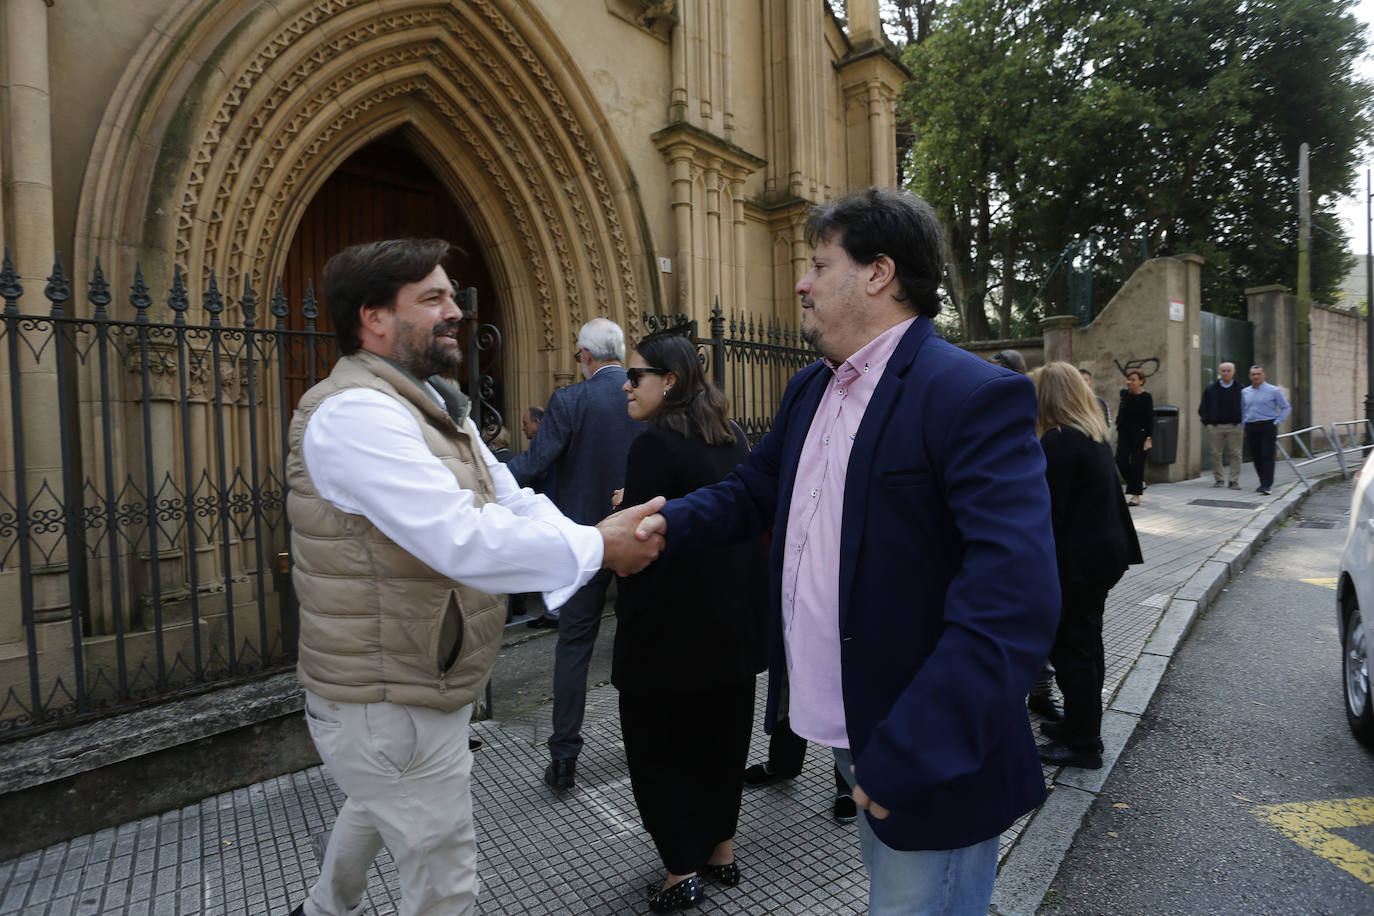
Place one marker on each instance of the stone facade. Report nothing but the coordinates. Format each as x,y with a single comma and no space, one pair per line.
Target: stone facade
608,158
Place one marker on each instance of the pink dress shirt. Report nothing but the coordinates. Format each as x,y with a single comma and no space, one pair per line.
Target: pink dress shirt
811,552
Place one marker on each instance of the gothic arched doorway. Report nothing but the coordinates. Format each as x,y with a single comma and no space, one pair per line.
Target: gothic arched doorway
384,190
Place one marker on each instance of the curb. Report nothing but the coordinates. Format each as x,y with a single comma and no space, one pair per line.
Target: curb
1032,864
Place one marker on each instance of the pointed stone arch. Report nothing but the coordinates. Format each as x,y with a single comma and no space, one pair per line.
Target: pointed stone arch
235,112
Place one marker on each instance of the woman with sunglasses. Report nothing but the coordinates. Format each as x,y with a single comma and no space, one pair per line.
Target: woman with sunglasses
689,633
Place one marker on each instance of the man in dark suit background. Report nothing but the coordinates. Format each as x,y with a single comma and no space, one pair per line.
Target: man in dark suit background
583,438
914,593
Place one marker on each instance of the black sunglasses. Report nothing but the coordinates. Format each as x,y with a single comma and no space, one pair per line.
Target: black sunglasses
634,375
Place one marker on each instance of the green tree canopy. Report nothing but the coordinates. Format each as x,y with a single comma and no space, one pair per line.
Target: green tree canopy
1170,126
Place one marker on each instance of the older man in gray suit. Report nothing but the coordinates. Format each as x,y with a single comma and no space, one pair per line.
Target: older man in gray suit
584,436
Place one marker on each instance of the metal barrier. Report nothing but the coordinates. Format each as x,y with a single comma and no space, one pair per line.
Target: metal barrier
1297,436
1350,431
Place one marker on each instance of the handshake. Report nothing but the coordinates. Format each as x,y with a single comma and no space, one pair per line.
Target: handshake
633,538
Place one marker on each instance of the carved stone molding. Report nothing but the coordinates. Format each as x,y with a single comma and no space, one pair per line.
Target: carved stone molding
327,73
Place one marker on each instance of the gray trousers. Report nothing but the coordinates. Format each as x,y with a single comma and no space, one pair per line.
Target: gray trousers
578,623
1221,436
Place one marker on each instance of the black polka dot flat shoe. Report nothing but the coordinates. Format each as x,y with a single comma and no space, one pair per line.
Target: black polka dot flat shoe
726,875
684,895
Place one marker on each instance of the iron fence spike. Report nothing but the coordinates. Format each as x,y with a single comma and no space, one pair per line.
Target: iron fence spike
177,301
213,300
99,292
138,295
278,306
248,303
10,287
58,289
310,309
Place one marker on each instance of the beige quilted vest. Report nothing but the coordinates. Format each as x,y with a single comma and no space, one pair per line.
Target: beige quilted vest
377,624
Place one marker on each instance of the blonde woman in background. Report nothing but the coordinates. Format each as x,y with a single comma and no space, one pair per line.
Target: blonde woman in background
1094,540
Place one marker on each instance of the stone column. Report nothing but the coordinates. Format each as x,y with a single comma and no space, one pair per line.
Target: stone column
1273,311
677,102
27,211
1057,333
741,247
1190,426
715,258
681,170
27,142
865,22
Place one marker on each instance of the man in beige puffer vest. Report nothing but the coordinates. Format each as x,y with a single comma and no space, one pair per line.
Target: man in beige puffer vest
406,532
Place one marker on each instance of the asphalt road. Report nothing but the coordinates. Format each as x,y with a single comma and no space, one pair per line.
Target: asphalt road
1248,716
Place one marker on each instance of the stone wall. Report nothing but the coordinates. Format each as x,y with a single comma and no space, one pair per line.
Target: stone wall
1339,364
1154,323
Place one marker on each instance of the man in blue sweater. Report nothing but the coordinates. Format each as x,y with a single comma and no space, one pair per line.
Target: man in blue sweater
1220,411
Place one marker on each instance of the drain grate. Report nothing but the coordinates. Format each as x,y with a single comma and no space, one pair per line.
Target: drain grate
1222,503
1320,523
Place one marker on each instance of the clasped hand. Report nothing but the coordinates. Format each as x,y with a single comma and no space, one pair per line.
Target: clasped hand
625,550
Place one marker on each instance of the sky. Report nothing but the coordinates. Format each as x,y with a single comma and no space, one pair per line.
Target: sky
1352,209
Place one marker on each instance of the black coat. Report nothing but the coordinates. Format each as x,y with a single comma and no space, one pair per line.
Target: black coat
697,621
1135,418
1094,536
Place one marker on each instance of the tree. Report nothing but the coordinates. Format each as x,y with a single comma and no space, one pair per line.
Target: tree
1175,123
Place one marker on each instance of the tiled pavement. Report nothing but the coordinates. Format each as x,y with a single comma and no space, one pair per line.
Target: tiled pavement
250,851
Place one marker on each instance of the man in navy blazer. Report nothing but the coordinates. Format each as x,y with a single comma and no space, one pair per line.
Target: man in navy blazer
914,586
583,438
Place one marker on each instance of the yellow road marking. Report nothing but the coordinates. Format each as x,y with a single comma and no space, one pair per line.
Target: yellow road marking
1324,583
1309,824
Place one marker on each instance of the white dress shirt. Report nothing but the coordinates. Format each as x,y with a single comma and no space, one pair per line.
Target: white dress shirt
367,456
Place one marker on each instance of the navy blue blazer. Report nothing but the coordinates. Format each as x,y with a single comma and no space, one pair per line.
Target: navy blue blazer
948,593
584,437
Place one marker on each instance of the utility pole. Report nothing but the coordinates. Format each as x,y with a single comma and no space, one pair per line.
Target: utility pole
1301,394
1368,310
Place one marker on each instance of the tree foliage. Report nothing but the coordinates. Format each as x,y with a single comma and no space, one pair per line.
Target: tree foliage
1166,126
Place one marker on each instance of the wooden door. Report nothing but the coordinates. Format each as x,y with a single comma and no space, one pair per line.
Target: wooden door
382,191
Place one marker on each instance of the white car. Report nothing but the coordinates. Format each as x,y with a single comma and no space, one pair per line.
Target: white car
1355,601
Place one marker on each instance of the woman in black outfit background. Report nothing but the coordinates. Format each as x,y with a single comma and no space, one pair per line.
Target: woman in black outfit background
1094,542
689,634
1135,420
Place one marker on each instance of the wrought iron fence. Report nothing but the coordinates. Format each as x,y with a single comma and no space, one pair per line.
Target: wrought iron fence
750,359
143,532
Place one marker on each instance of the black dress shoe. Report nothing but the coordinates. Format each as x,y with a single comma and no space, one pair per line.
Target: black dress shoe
1055,732
844,810
684,895
1061,755
1044,704
727,874
299,911
474,744
759,775
559,774
543,622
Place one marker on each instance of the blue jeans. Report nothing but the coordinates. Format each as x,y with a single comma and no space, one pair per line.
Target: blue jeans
923,882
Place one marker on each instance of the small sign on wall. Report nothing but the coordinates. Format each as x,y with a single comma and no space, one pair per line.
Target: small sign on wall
1176,309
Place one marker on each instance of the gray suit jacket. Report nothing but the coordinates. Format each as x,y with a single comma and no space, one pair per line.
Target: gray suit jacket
584,436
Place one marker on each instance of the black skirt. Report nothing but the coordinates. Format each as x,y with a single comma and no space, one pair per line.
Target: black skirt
686,754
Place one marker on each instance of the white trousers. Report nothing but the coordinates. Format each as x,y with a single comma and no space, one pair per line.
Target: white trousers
407,773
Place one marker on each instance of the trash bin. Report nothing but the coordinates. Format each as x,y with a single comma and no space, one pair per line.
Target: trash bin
1164,439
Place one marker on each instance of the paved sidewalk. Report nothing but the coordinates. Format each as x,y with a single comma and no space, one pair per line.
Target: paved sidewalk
250,851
